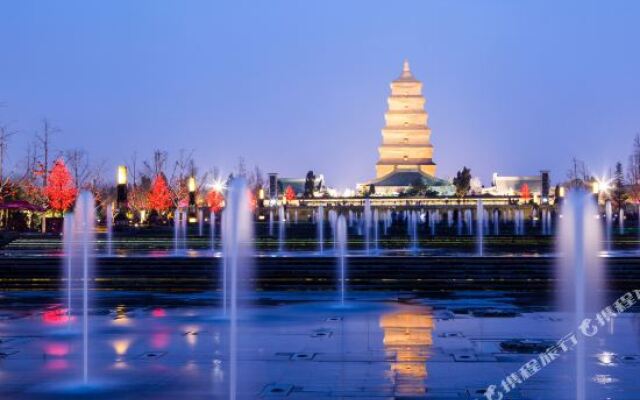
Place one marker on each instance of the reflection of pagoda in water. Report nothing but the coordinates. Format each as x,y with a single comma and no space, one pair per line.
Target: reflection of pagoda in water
408,337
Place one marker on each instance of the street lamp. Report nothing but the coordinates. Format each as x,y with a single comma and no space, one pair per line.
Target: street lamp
191,186
121,196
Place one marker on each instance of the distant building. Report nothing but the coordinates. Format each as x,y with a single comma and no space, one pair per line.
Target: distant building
536,185
278,186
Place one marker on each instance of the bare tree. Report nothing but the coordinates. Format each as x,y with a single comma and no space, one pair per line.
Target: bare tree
95,181
578,174
241,171
44,138
633,171
133,169
157,164
5,134
78,163
258,178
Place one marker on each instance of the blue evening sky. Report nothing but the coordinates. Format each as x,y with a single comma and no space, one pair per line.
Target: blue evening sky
511,86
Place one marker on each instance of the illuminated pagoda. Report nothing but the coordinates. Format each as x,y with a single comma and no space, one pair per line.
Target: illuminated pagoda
406,153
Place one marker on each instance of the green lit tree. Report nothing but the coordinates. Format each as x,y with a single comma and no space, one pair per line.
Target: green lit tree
462,182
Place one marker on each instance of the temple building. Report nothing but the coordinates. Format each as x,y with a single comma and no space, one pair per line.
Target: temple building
406,152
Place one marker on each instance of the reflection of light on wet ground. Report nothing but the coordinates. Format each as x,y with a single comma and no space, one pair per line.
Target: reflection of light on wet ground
120,346
606,358
191,367
57,316
604,379
376,347
158,313
56,349
57,364
218,373
121,317
191,335
160,340
409,336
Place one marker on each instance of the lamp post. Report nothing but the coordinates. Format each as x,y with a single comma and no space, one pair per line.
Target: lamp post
191,186
122,205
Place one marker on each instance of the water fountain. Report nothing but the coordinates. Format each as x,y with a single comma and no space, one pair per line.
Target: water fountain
449,218
459,224
386,222
109,220
237,237
78,242
480,227
468,219
412,229
212,229
320,228
281,229
608,215
518,222
332,216
176,231
621,221
432,222
485,220
200,222
376,228
534,217
367,224
183,229
580,270
496,223
67,236
341,239
270,222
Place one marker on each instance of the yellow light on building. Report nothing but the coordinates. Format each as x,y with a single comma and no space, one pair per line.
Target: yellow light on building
595,187
561,191
261,194
122,175
192,184
143,215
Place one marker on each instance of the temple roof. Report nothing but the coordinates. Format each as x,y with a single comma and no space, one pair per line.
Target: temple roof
406,75
407,178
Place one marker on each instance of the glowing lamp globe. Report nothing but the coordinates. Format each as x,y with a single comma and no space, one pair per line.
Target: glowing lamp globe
122,175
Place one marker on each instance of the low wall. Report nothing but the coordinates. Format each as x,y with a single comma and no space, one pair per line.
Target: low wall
422,274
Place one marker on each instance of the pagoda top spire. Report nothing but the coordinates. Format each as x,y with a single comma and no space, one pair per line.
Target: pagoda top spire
406,72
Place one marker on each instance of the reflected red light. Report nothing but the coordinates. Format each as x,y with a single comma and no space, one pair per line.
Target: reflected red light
158,313
57,364
56,349
57,316
160,340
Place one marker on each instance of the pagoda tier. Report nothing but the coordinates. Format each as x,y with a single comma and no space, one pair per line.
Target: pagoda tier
406,137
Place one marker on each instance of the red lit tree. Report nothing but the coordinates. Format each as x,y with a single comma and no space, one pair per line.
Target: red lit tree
60,190
159,197
289,193
215,201
253,201
525,193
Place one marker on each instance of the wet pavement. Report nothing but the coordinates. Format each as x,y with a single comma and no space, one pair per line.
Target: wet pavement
302,346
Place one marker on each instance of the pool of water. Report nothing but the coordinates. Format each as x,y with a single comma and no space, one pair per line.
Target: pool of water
302,346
